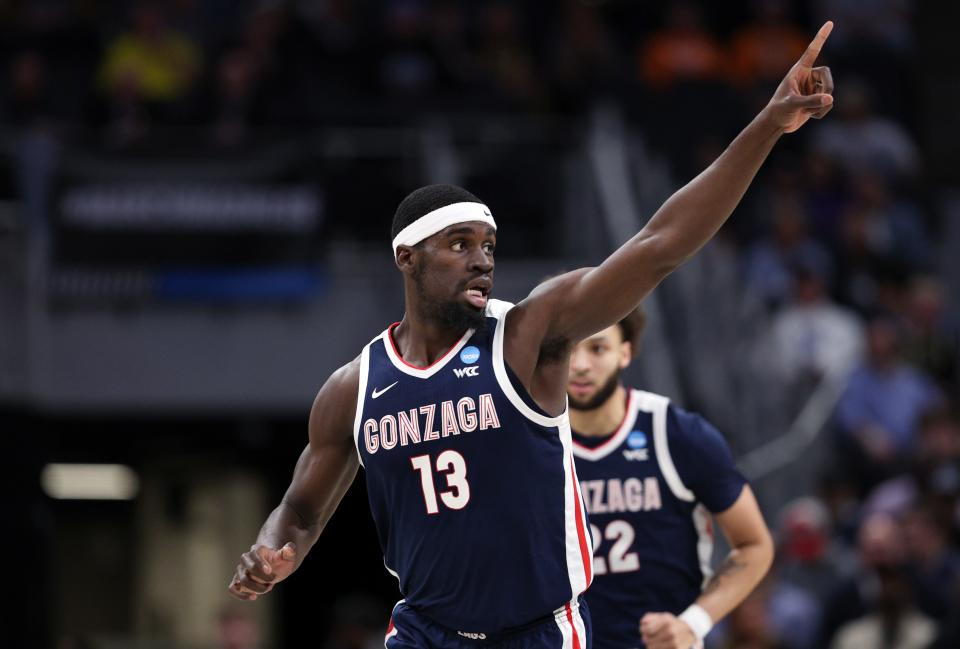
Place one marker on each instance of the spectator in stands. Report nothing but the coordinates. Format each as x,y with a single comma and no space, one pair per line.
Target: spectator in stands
457,63
892,621
813,336
879,412
807,555
792,613
839,492
681,51
584,56
825,196
748,626
871,24
508,62
859,139
932,337
151,60
883,238
407,66
933,481
235,105
278,58
949,636
146,74
26,101
934,564
770,260
880,546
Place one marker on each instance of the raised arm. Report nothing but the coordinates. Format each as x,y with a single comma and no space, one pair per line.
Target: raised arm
580,303
323,474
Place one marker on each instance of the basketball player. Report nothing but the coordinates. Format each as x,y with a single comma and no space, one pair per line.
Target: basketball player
651,474
458,411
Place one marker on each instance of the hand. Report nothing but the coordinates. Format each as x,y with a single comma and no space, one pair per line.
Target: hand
666,631
806,91
261,569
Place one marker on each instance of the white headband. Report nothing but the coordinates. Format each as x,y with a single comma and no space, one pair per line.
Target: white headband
443,217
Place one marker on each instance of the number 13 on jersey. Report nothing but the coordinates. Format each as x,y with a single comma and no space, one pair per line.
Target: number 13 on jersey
454,467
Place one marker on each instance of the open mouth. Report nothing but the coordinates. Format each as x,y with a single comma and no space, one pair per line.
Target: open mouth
477,296
478,291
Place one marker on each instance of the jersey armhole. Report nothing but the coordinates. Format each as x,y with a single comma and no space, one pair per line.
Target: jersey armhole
513,393
658,406
361,397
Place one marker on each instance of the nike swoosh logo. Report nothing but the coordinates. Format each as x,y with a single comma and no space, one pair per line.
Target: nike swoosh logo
377,393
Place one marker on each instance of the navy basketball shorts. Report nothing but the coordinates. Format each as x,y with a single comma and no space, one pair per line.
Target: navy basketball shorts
566,628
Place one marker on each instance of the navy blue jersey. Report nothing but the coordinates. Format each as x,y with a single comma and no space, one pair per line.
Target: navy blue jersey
472,487
649,489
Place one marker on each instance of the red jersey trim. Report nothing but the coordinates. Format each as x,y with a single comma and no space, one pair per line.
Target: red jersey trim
414,370
616,437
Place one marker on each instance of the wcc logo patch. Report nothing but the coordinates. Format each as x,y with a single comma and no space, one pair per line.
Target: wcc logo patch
637,439
468,355
636,446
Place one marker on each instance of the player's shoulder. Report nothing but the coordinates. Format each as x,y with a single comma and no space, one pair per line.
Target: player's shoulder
545,301
686,423
337,399
648,401
683,427
347,375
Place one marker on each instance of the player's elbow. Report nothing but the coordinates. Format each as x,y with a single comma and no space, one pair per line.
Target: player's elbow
757,550
765,551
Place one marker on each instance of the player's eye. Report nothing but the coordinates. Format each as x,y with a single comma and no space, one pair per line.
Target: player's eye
598,349
489,248
457,246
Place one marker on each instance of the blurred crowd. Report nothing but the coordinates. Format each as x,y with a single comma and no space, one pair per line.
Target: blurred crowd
125,67
838,240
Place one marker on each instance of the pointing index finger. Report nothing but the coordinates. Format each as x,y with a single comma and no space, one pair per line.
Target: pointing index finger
813,50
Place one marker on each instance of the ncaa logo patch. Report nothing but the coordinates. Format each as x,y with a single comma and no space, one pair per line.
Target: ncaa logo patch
637,439
470,354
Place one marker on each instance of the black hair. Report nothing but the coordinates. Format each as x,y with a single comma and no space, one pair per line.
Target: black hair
425,200
632,326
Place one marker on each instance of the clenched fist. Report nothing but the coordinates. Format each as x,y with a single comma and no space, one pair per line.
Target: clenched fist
666,631
261,569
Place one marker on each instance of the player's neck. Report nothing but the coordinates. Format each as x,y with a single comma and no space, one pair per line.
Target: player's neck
603,420
421,341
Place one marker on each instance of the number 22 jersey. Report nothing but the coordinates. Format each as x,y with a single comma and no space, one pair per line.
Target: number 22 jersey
649,489
472,487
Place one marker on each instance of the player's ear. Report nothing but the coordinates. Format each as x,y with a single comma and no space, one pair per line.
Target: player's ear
404,258
626,354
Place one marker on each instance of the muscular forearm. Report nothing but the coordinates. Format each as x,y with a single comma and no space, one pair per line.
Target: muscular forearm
323,474
739,574
694,213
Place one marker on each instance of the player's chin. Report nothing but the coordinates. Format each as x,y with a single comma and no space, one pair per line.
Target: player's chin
471,315
471,306
578,403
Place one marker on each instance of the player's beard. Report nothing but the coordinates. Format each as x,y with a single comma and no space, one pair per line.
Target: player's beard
450,314
602,395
